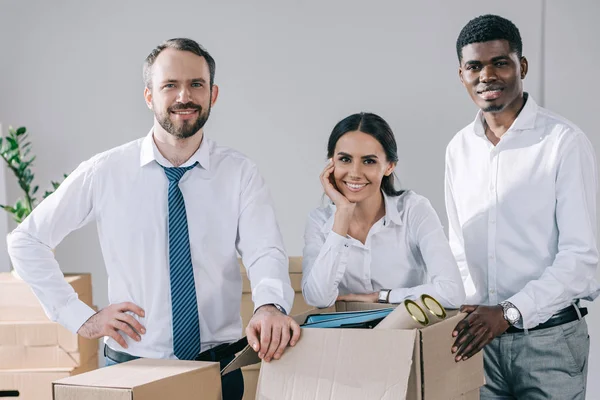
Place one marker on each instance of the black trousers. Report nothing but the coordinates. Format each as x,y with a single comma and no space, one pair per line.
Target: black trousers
232,384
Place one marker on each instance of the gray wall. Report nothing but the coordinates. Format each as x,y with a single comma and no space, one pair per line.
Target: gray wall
571,85
288,71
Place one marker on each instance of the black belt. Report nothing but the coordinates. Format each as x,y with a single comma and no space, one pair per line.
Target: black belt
118,356
215,354
223,351
564,316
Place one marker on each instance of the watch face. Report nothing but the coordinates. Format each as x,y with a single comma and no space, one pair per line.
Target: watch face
512,314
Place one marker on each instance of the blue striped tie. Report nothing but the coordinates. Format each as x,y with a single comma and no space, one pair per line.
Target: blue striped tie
186,325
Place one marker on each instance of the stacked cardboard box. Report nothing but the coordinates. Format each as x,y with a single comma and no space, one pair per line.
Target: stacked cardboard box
144,379
247,309
35,351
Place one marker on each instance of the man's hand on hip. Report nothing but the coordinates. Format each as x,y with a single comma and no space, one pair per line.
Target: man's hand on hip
476,330
269,332
112,320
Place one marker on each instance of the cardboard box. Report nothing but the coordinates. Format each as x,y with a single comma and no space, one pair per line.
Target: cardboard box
144,379
250,374
18,303
36,384
300,306
378,364
472,395
44,334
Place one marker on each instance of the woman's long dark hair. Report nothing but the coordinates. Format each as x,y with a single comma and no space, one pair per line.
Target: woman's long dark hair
373,125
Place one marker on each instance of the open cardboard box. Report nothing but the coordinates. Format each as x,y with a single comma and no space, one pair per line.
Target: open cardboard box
375,363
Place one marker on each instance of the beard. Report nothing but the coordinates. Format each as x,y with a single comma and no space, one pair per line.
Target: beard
493,108
187,128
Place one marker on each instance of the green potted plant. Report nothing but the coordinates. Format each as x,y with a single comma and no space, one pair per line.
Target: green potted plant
15,150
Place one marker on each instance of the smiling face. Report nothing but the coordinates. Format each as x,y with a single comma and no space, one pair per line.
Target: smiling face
493,75
360,164
180,94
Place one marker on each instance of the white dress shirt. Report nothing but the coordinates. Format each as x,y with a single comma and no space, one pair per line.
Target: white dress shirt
124,190
406,251
522,214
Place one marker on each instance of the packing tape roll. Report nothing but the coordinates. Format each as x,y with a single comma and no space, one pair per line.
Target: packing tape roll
435,311
408,315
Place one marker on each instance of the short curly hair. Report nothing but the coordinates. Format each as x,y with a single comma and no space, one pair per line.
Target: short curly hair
486,28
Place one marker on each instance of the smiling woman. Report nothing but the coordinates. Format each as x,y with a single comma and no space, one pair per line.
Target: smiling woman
374,243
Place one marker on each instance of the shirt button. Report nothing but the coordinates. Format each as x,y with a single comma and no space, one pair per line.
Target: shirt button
492,291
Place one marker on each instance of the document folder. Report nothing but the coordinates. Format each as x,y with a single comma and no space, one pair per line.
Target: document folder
353,319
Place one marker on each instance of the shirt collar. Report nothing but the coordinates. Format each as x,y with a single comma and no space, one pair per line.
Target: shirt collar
149,152
391,213
525,120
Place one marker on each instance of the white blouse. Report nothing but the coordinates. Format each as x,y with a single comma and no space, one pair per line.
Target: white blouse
406,251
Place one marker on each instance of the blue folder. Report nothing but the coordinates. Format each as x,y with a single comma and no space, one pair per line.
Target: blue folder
351,319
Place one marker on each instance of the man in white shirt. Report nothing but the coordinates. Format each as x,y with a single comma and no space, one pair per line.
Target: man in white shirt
171,209
521,187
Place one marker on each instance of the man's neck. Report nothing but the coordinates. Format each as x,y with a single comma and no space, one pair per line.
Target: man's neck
497,124
176,151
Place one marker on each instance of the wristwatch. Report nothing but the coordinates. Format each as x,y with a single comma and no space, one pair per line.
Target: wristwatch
281,309
511,313
384,296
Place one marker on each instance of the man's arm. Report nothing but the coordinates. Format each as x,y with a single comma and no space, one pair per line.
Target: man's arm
570,276
260,244
572,272
31,245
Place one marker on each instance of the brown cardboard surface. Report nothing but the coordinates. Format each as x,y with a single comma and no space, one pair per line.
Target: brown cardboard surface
15,293
36,384
32,385
45,333
321,367
22,357
144,379
472,395
443,377
250,374
432,375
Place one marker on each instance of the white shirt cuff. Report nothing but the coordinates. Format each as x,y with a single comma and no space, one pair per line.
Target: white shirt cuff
74,315
527,308
336,240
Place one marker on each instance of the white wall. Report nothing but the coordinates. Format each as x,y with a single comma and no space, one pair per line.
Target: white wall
571,88
288,71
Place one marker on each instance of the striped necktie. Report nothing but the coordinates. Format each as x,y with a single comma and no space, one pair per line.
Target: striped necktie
186,324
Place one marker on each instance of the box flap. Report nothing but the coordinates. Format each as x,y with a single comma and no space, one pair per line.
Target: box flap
401,318
135,373
342,306
341,364
442,376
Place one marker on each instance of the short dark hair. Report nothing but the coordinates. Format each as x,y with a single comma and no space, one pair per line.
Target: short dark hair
486,28
373,125
182,44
